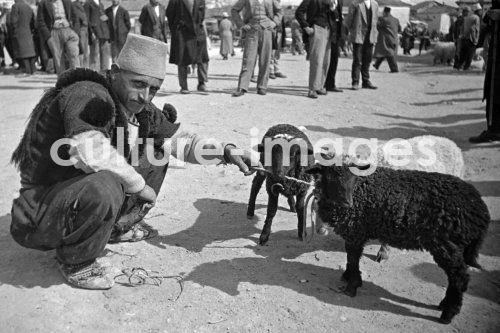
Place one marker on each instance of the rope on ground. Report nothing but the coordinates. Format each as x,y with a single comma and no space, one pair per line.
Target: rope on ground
139,276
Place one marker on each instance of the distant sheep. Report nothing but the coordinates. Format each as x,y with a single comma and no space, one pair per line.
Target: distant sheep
407,209
444,52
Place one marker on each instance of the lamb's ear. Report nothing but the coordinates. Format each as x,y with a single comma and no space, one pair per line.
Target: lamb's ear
314,170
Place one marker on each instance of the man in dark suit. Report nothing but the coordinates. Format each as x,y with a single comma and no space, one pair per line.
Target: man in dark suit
119,27
317,19
100,50
189,40
362,24
54,20
152,20
335,37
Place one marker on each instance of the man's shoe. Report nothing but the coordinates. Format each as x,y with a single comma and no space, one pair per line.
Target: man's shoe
261,91
394,71
321,91
334,89
355,86
239,92
89,275
272,76
202,87
254,80
184,91
312,94
485,136
280,75
368,85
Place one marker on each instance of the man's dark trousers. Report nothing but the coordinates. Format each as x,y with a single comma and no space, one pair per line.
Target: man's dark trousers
332,70
76,217
362,58
393,65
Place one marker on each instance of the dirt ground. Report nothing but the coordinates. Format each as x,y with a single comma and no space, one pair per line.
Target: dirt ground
230,283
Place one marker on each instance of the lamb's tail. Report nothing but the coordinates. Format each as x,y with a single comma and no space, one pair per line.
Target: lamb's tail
471,253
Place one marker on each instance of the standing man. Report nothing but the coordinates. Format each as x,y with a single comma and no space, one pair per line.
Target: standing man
492,79
189,40
22,19
457,37
469,37
260,17
336,36
152,21
387,44
362,23
278,42
226,36
54,23
316,17
119,27
100,50
81,27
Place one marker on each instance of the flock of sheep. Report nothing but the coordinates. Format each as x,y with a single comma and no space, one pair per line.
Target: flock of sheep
413,207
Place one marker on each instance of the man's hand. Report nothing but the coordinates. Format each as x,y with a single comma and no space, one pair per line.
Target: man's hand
246,27
309,30
147,194
242,158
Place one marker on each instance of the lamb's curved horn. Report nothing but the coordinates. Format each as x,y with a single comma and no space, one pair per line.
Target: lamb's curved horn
274,187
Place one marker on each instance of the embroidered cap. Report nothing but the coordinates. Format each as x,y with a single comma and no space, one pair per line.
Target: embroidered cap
144,55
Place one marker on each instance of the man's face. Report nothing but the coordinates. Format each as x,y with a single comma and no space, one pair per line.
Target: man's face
155,2
134,91
82,1
115,2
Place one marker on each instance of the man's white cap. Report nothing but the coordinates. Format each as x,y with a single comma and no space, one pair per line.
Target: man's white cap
475,7
144,55
225,14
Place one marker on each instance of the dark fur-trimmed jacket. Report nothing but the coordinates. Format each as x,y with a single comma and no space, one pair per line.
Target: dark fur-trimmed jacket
81,101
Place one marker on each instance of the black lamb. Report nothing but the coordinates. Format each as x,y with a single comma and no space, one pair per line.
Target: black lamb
406,209
299,148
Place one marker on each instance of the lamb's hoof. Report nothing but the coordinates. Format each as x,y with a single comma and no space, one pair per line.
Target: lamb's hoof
322,231
446,317
382,255
350,291
263,240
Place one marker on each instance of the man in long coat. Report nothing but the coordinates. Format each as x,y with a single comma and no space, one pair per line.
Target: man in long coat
22,19
362,23
189,40
103,193
492,79
119,27
100,47
387,44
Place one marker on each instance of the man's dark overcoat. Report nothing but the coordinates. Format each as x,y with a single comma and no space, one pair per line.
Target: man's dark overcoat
22,19
387,40
189,41
95,14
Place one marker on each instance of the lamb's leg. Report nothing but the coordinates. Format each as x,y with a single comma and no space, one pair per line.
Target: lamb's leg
272,207
256,185
291,203
383,253
300,205
452,262
352,275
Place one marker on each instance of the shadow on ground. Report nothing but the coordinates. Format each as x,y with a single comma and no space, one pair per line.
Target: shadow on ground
24,268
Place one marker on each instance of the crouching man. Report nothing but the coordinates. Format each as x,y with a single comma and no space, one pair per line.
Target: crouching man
101,195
